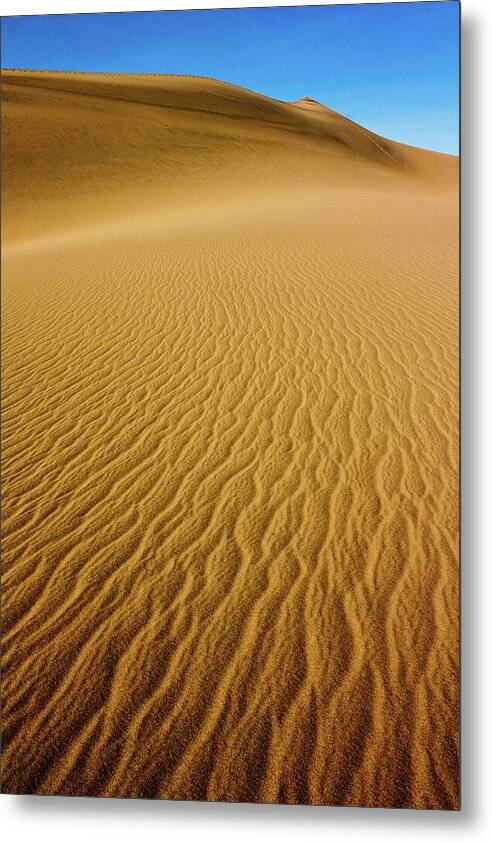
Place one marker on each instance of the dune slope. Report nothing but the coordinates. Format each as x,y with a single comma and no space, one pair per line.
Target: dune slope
229,443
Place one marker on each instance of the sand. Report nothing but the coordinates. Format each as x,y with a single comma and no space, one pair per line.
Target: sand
230,340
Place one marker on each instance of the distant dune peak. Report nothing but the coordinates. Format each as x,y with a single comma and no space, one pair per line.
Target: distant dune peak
307,100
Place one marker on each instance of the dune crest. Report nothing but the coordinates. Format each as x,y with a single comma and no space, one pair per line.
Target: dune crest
229,432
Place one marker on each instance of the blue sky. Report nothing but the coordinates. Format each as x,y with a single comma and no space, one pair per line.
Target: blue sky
391,67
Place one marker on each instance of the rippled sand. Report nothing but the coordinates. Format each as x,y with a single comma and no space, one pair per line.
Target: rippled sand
230,448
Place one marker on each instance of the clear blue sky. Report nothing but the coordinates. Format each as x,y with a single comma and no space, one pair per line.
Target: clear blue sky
391,67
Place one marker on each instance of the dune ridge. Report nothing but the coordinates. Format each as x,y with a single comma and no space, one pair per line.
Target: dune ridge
229,369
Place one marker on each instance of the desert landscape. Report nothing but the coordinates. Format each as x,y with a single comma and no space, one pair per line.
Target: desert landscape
230,448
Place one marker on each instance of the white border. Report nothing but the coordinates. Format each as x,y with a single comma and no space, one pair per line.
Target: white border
36,7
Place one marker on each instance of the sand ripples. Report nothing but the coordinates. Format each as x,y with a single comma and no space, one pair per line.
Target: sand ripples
230,500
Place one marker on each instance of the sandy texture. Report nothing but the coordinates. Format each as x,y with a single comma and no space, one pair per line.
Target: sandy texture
230,448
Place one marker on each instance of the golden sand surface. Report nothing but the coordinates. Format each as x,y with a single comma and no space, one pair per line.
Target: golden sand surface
230,341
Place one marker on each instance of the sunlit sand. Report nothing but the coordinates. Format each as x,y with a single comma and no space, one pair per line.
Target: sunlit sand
230,448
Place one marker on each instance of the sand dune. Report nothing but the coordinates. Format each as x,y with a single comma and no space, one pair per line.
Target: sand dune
230,448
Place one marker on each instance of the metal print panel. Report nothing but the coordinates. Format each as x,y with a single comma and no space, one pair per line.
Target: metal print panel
230,390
